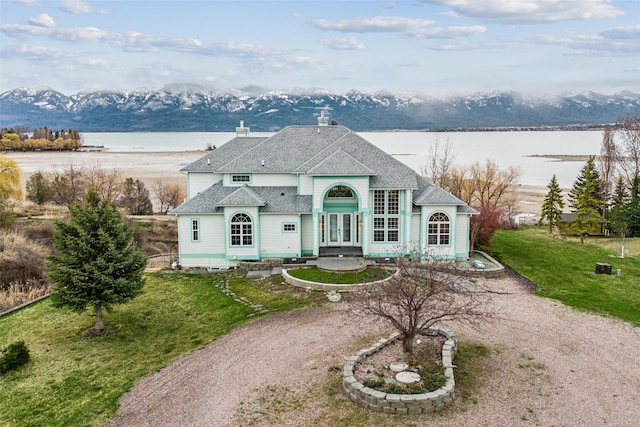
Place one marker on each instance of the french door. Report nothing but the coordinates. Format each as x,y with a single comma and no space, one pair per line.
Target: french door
340,232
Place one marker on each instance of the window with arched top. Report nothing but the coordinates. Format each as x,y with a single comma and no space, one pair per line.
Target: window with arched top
438,229
340,191
241,230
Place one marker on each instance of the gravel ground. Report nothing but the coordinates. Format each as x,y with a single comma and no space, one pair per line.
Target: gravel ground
548,365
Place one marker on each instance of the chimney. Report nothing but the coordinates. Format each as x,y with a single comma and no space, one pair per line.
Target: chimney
323,120
241,130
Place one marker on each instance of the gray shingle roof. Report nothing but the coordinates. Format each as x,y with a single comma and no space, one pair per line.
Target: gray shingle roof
222,155
277,200
340,163
430,194
306,150
243,196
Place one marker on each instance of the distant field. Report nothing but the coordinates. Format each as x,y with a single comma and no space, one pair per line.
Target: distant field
564,270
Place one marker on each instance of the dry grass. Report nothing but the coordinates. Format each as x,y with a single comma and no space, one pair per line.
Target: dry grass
19,293
21,259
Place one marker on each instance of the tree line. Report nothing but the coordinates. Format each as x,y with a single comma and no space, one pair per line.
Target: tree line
18,139
605,197
68,186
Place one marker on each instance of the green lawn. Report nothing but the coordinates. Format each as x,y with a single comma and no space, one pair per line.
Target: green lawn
72,380
564,270
314,274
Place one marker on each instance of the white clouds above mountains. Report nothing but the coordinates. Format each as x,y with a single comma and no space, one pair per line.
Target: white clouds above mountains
428,45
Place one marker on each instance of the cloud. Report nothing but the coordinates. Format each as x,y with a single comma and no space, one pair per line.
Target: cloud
79,34
378,24
410,27
450,32
78,7
38,53
628,32
27,3
343,43
43,20
531,11
95,62
18,30
617,40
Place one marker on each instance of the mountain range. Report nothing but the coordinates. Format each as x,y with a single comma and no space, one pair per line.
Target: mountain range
193,108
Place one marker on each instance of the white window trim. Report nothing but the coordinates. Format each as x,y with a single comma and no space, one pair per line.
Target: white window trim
285,224
233,176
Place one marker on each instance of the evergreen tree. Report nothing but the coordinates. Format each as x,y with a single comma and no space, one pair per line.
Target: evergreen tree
552,205
96,264
135,198
634,208
39,189
586,200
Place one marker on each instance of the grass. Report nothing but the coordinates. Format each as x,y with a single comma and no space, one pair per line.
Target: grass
72,380
564,270
314,274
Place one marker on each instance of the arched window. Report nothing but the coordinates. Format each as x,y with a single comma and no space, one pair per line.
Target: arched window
340,191
241,231
438,229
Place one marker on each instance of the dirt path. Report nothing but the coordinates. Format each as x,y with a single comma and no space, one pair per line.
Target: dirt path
547,365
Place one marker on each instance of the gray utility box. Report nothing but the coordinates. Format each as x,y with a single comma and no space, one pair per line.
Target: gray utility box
603,268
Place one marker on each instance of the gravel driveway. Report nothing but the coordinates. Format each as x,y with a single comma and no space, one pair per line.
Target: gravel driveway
548,365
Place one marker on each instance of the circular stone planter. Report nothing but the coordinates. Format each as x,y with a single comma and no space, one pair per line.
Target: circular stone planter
404,404
328,287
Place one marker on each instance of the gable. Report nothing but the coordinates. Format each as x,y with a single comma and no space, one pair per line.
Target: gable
340,163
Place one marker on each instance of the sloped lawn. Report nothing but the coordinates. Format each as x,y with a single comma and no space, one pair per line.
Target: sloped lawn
72,380
564,270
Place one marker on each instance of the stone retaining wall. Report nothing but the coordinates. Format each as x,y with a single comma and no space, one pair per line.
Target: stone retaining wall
265,264
328,287
404,404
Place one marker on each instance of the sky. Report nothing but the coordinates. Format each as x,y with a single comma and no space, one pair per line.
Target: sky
426,47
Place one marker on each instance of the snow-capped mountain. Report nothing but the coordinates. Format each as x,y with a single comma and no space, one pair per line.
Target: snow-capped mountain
195,108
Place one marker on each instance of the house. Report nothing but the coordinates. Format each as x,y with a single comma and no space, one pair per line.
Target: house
309,190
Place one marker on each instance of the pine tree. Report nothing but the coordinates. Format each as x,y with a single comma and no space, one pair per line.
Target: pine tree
552,205
634,208
135,198
586,200
96,264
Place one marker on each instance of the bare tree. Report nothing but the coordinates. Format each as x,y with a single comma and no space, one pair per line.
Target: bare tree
420,296
480,184
69,185
607,161
629,131
440,161
108,184
169,195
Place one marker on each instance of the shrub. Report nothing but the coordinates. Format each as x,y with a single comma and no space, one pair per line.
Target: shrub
414,388
16,355
432,377
395,388
374,384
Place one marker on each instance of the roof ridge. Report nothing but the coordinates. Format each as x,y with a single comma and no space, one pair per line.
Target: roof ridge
344,154
321,151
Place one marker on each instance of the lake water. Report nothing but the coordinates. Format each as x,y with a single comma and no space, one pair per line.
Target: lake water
504,148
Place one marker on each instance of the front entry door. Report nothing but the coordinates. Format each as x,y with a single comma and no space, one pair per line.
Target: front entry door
340,229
